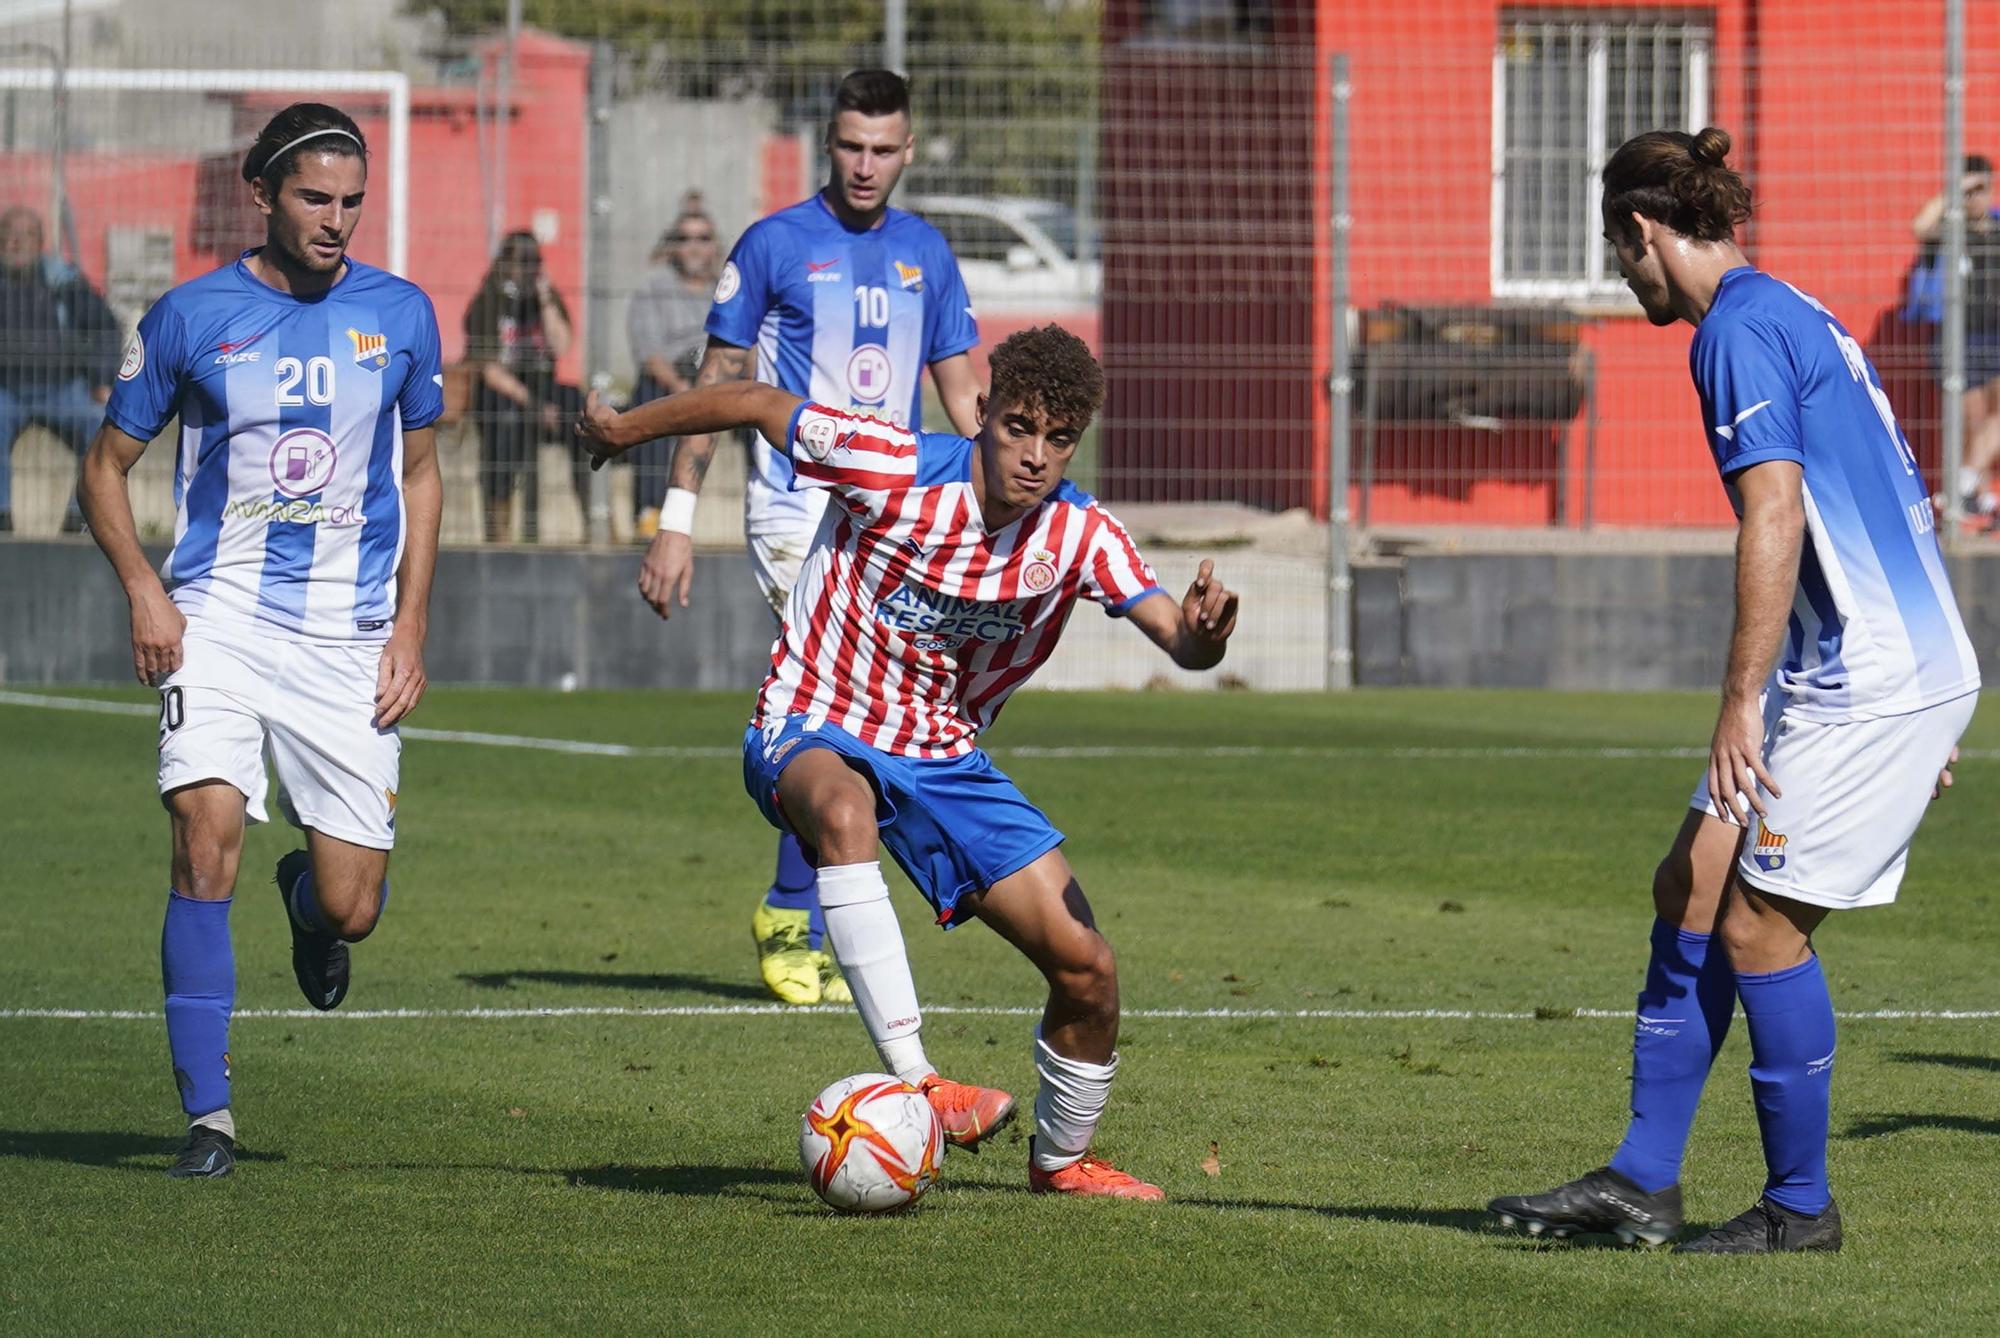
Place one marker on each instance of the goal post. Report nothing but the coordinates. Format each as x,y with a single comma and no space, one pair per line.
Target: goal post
393,87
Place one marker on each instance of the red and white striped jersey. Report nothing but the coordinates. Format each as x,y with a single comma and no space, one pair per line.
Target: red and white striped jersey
911,624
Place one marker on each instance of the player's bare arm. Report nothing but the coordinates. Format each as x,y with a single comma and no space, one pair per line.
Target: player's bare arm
667,570
1768,544
157,625
606,434
959,389
400,681
1194,633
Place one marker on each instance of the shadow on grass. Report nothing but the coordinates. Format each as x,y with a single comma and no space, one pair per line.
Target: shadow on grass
702,1182
618,980
1983,1063
126,1151
1879,1125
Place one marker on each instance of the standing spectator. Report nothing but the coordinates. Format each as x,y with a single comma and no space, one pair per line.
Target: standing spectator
665,328
58,350
515,330
1925,302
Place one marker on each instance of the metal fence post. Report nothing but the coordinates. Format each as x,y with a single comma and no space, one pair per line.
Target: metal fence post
1953,353
598,276
1339,578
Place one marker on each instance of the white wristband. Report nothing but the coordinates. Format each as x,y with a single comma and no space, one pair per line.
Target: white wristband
677,513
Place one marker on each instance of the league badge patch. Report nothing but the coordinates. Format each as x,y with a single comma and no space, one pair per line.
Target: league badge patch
1769,851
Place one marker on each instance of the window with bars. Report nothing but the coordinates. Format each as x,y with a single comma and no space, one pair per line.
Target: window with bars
1567,90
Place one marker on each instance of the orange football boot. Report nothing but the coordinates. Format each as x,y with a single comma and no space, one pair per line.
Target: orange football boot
969,1114
1089,1176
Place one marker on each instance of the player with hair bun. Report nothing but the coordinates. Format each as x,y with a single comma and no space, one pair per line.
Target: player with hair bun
291,613
1822,764
945,572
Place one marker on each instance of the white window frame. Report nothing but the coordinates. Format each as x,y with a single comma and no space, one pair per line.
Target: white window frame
1601,283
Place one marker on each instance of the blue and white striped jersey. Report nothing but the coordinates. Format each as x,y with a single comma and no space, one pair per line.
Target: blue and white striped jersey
1874,629
288,481
845,319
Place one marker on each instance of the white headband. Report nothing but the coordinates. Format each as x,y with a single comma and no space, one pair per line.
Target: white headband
311,134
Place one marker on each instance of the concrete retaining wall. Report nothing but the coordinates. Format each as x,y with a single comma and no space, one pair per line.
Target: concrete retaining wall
1610,620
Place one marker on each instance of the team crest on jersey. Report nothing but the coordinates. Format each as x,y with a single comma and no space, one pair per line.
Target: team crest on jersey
1769,851
370,350
910,276
1040,573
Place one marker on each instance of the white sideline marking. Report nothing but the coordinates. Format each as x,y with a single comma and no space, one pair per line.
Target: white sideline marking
584,747
958,1010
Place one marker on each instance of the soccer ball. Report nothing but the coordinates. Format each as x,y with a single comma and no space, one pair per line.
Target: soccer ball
871,1144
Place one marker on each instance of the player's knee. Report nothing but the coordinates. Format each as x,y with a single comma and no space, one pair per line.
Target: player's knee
1086,975
1673,884
205,866
844,823
358,923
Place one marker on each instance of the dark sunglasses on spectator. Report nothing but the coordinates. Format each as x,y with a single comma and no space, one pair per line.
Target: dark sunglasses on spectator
691,237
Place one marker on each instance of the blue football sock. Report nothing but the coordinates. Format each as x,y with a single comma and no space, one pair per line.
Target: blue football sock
199,970
795,887
304,906
1684,1013
1790,1016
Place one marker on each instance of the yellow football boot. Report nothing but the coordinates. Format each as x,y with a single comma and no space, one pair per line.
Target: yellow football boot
789,967
832,985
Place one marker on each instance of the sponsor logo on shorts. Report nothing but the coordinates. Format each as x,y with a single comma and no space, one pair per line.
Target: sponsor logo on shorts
1815,1067
783,750
371,625
945,622
1660,1026
1769,851
302,462
1040,573
370,350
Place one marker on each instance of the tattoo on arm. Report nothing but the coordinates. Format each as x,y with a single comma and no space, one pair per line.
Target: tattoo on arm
722,362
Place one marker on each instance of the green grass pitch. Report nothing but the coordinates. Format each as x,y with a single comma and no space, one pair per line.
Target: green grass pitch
1483,853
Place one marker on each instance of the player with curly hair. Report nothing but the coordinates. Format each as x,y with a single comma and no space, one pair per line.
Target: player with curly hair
946,571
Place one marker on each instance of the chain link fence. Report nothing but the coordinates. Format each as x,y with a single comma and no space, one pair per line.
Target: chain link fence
1158,175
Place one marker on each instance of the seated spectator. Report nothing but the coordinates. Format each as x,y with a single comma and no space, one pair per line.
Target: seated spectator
664,326
1924,303
59,348
515,330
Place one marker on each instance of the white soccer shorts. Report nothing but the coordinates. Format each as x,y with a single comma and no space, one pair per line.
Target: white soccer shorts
311,703
1854,792
776,560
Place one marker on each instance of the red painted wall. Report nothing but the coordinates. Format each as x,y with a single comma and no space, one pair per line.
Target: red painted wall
1837,109
206,205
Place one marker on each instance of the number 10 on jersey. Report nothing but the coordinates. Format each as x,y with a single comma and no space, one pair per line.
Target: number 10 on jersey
871,306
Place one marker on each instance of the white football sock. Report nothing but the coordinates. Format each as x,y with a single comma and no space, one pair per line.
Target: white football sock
1068,1104
861,928
219,1120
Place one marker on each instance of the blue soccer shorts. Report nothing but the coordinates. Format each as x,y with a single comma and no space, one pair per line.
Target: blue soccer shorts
954,824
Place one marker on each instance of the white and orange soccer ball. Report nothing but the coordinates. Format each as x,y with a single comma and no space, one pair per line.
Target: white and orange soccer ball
871,1144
